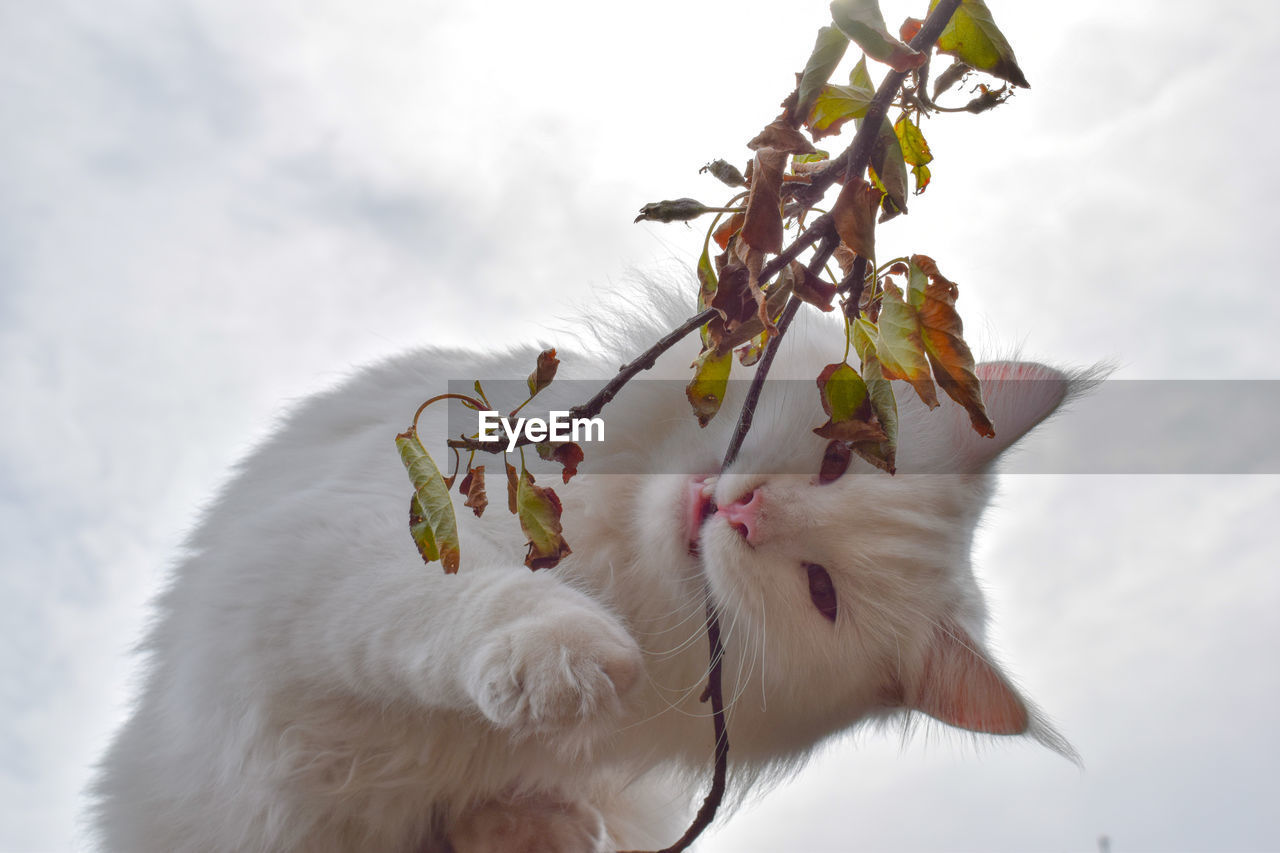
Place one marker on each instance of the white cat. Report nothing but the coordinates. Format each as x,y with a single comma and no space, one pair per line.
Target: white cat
312,686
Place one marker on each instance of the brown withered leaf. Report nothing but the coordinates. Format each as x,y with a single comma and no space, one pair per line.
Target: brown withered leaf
755,263
539,511
726,229
943,336
544,372
782,137
568,453
513,484
472,486
762,228
835,461
810,287
733,295
845,257
854,215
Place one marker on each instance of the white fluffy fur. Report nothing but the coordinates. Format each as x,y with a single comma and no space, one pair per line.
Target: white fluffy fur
313,687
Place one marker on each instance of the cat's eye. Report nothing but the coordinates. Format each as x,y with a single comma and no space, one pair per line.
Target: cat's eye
821,590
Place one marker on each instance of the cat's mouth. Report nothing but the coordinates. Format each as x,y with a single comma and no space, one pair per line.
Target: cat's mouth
699,505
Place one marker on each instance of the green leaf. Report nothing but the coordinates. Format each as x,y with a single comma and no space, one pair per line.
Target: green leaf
862,21
431,520
899,346
880,391
836,105
707,284
710,382
539,511
845,400
973,37
915,151
890,170
828,50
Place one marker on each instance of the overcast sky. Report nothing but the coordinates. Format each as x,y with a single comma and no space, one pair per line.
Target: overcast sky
211,207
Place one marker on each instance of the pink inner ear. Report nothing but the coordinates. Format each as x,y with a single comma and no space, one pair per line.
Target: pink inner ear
960,687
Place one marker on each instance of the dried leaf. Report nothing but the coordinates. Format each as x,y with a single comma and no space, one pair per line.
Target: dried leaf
861,21
432,524
544,372
672,210
835,461
973,37
943,336
762,228
915,151
836,105
568,453
909,29
539,513
950,76
828,50
854,215
710,382
725,172
472,486
900,347
809,287
513,485
783,137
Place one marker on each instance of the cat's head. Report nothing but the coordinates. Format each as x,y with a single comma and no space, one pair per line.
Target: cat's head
855,599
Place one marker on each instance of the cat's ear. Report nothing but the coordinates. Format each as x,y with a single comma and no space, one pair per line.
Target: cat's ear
958,685
1017,395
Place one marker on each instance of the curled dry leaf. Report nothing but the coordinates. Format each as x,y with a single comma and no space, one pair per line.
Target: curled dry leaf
710,382
725,172
808,286
544,372
569,454
672,210
783,137
854,215
950,76
861,21
943,336
762,227
472,486
539,512
432,524
835,461
513,485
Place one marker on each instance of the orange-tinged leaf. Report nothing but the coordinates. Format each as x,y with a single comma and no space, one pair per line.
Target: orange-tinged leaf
861,21
472,486
432,524
854,215
910,27
973,37
762,227
710,382
544,372
900,347
726,229
943,336
539,511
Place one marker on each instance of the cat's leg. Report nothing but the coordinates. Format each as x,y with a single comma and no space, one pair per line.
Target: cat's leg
525,650
530,824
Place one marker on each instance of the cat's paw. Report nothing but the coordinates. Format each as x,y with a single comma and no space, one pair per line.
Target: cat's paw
534,824
561,672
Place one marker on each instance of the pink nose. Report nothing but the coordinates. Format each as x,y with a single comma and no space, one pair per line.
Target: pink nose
743,515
